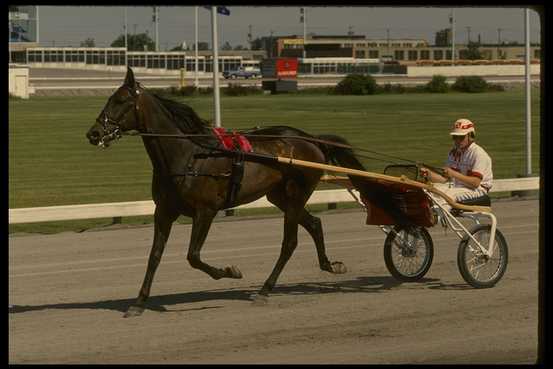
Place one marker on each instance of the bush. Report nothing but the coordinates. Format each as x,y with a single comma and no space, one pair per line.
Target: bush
206,91
437,84
187,90
314,91
495,87
356,84
239,90
470,84
396,88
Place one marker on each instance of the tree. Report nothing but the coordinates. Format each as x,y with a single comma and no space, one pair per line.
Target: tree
443,37
472,52
257,44
135,42
226,46
239,47
89,42
201,46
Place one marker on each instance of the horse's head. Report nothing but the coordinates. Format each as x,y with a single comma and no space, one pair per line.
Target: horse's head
120,114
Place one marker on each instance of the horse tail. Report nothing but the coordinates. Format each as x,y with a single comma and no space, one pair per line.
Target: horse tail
338,154
373,192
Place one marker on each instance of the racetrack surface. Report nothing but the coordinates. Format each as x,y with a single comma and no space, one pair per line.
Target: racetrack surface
68,293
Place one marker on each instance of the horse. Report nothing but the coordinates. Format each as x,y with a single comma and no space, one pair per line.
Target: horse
184,183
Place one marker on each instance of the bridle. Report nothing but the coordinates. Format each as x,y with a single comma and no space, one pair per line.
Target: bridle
111,126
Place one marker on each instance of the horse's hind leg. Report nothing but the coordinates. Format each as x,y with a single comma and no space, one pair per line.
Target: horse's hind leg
163,221
200,227
314,227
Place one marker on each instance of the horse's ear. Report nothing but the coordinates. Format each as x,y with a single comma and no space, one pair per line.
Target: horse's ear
129,78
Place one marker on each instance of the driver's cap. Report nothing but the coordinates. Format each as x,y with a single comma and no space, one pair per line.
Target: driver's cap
462,127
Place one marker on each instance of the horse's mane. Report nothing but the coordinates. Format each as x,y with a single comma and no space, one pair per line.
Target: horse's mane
184,117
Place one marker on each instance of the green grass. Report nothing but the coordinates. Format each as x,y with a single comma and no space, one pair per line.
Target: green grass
52,163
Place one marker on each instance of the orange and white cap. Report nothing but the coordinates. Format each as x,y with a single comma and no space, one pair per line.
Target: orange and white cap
462,127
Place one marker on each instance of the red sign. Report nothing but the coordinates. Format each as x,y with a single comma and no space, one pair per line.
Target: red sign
287,67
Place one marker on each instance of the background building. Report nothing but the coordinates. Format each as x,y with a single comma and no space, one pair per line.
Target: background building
22,31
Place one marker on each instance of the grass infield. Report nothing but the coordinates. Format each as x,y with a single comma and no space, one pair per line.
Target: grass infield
52,163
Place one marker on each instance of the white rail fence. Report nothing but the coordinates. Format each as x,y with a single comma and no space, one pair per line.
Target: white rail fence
136,208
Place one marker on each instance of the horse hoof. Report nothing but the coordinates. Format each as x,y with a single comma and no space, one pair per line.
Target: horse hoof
233,272
338,267
260,300
133,311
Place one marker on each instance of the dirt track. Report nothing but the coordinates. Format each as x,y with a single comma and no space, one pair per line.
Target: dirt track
69,292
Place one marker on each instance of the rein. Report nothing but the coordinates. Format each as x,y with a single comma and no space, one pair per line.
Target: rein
311,139
115,132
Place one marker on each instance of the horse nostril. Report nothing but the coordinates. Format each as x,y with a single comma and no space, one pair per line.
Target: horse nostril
93,137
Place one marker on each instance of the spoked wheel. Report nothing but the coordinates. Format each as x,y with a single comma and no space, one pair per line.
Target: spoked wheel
477,269
408,253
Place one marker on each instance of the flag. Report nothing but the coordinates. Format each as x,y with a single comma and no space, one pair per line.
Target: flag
220,9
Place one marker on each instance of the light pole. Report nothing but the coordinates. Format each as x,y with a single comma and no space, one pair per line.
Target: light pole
37,26
528,94
10,39
304,21
498,42
452,22
215,68
126,41
156,18
196,83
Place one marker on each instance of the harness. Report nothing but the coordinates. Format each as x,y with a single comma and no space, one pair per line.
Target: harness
239,144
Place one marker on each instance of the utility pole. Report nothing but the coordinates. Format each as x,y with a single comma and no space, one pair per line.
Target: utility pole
528,95
134,29
468,35
250,35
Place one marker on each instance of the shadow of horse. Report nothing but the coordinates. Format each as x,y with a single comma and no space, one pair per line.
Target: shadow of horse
158,303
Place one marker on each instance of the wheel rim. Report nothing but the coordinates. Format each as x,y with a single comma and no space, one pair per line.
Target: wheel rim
480,267
409,260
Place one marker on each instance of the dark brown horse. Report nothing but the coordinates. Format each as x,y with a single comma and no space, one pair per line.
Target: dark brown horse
185,184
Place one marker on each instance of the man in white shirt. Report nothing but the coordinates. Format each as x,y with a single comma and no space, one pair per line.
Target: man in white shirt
469,167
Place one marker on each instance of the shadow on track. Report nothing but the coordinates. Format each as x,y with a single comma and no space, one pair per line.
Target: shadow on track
158,303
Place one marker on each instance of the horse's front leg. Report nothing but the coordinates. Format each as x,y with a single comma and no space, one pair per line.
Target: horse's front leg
163,221
200,227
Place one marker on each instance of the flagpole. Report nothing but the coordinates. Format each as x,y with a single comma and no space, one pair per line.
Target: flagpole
215,68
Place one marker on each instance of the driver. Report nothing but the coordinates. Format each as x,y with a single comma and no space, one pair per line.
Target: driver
468,172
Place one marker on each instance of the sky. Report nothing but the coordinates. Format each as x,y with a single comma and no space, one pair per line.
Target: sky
70,25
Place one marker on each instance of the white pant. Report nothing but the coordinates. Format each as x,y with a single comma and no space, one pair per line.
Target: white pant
457,193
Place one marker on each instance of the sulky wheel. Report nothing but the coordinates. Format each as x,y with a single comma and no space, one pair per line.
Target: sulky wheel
408,253
477,269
